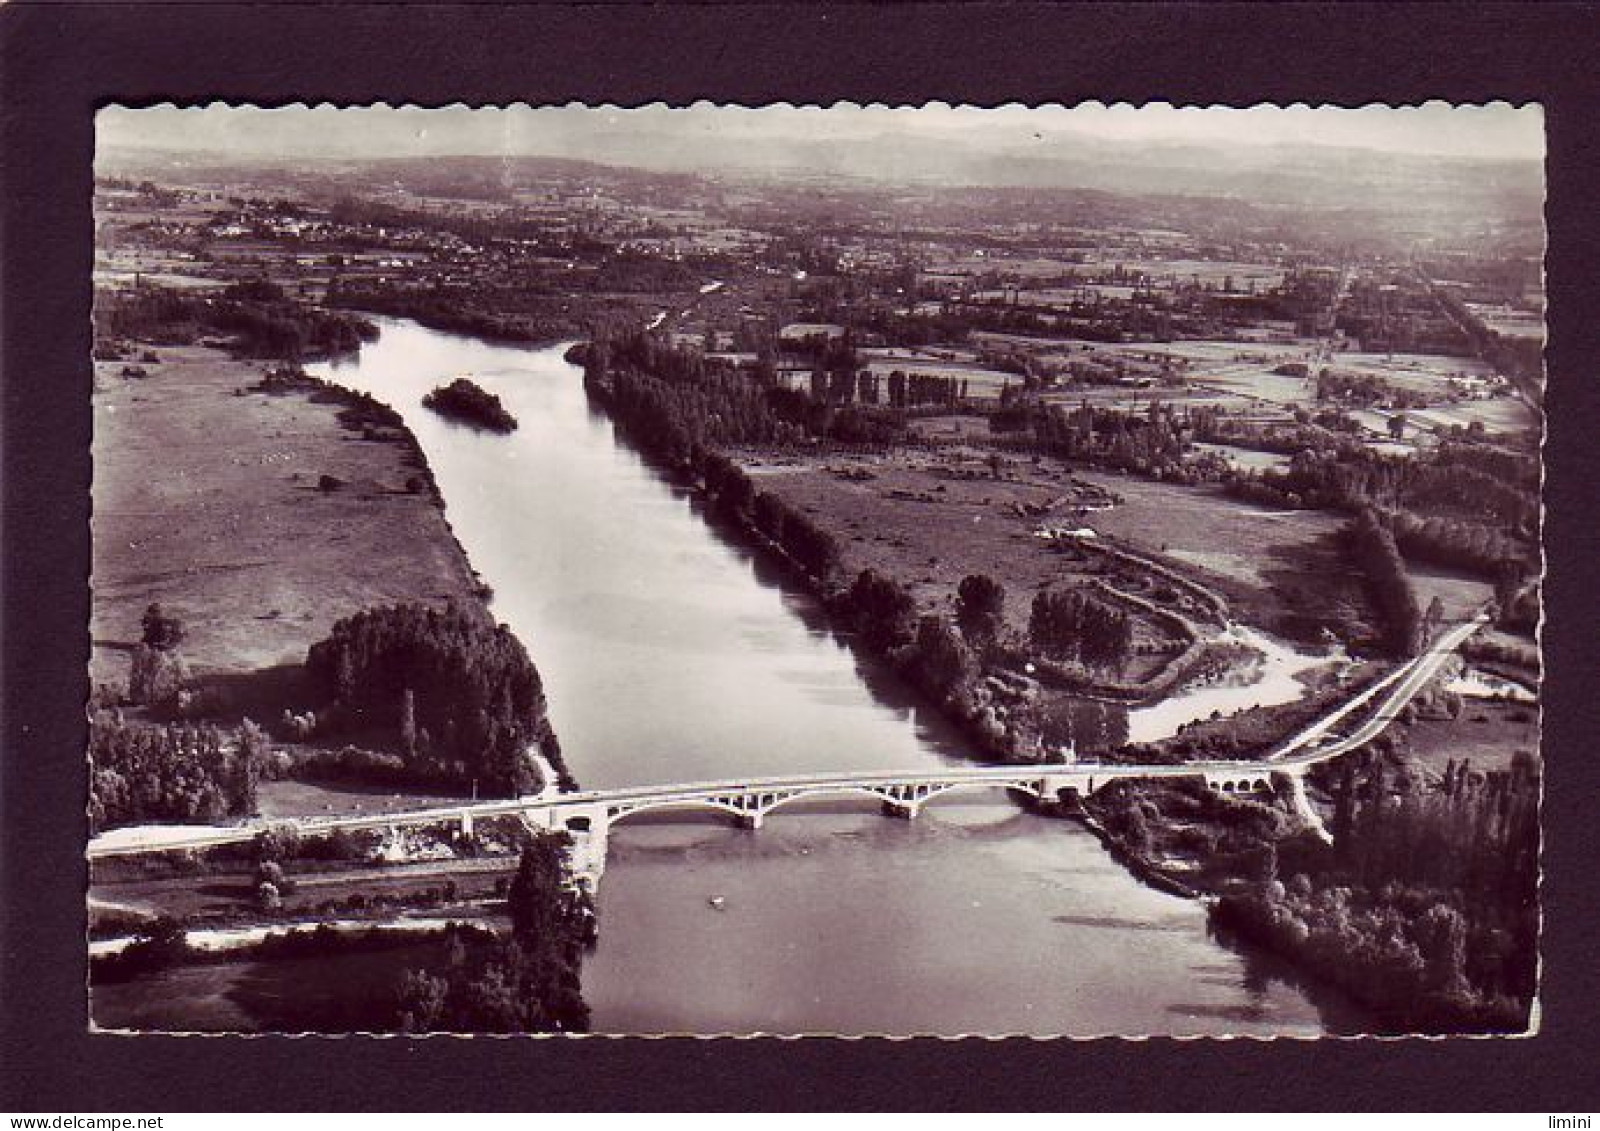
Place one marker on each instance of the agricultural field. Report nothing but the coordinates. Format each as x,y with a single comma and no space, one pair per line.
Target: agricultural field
230,895
1205,272
290,797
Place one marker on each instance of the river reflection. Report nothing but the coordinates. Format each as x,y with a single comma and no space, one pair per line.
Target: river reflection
669,654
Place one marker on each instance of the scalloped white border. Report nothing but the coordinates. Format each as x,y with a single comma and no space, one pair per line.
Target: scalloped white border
1535,1011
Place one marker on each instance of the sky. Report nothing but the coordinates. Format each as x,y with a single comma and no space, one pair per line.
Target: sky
1495,130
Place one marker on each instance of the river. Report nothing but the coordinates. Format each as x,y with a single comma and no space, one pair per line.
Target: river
670,654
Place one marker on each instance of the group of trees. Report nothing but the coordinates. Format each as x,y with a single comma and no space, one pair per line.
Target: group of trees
452,313
676,402
1457,544
673,403
157,674
1445,483
1150,443
1425,907
1372,548
1082,627
458,691
1366,389
470,404
182,772
883,611
526,982
899,390
258,317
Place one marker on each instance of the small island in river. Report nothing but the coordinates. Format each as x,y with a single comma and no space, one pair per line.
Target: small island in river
463,401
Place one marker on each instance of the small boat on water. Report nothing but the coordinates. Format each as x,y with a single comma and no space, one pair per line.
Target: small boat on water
718,903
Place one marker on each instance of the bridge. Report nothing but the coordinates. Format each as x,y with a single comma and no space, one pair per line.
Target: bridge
589,814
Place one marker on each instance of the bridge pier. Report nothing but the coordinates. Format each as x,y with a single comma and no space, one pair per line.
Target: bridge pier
904,810
751,820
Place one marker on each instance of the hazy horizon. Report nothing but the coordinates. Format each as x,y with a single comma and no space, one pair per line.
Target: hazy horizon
1495,131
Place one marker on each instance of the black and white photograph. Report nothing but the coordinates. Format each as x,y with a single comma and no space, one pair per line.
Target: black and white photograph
1066,571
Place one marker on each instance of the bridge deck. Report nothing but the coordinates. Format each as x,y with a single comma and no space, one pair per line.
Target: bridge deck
1295,756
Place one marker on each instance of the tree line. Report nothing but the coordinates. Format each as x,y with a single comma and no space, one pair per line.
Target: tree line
734,496
1150,443
1372,548
1354,477
261,320
448,312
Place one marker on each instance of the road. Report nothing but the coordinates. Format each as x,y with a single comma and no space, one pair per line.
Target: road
1403,684
1308,747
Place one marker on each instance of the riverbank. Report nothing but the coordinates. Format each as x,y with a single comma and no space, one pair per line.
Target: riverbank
856,511
888,535
678,655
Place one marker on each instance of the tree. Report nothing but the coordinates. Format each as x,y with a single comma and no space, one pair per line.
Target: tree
408,722
980,607
944,663
1433,618
883,610
1080,626
526,983
155,677
163,631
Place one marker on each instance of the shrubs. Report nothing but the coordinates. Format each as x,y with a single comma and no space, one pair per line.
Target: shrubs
156,946
1425,908
354,764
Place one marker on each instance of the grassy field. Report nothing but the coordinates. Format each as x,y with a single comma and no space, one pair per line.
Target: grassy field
930,520
1461,596
1488,734
206,499
1281,570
